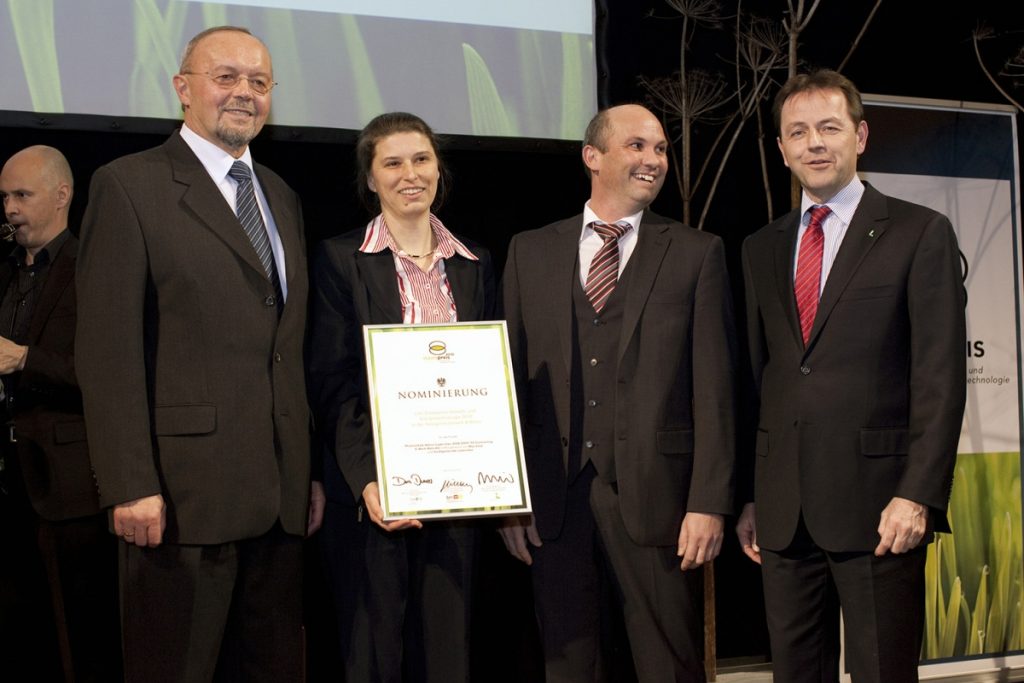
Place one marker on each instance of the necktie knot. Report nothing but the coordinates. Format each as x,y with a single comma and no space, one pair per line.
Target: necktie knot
610,231
240,172
818,215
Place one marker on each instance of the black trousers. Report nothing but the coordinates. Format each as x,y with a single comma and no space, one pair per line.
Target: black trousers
593,561
882,600
228,612
403,599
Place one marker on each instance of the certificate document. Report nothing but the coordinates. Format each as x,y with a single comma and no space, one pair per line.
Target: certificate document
445,420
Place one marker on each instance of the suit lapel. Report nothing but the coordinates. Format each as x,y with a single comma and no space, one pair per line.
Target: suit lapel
868,224
207,203
651,247
377,273
287,226
463,279
785,246
62,272
562,265
7,273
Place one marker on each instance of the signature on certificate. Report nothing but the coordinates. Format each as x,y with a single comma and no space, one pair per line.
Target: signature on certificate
455,484
499,478
413,479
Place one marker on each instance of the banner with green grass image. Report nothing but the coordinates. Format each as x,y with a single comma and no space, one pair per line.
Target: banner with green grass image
468,68
964,164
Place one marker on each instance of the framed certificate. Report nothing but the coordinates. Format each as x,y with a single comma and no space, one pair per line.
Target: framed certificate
445,420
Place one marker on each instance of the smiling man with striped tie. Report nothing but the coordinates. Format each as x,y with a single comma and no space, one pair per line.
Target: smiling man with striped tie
622,340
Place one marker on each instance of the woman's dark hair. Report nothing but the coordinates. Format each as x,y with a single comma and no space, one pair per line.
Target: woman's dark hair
366,146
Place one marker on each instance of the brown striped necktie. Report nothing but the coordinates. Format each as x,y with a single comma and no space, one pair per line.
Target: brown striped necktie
604,269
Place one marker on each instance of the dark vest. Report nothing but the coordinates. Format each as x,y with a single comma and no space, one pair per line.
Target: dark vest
594,367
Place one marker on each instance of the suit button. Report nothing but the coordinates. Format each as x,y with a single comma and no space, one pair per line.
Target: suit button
277,358
593,362
597,322
589,444
270,301
592,403
805,370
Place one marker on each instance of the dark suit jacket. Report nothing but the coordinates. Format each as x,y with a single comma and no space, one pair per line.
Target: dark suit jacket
193,387
52,452
872,408
352,289
674,403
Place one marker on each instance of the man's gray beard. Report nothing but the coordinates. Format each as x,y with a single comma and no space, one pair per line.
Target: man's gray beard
233,137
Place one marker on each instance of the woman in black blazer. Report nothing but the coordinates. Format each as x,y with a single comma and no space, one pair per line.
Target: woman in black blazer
401,588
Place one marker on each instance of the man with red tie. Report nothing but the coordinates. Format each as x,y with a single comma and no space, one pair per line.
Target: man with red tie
855,319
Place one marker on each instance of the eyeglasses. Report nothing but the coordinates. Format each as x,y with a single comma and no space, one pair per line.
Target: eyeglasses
258,84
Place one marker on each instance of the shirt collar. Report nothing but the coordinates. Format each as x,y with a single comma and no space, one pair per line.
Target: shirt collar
45,255
215,160
590,217
843,203
378,238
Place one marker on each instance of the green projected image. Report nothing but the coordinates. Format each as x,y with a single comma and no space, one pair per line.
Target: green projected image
117,57
974,602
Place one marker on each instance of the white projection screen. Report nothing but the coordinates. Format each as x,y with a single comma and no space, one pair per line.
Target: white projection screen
522,68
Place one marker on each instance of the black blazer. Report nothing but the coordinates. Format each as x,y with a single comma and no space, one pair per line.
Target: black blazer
351,289
193,387
48,423
674,403
872,408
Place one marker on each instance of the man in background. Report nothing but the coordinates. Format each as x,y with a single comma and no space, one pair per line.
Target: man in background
622,339
192,283
855,317
59,611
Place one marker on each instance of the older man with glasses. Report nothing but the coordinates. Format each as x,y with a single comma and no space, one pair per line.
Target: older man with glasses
192,282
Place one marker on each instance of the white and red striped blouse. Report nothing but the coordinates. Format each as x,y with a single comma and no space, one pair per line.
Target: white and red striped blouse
426,295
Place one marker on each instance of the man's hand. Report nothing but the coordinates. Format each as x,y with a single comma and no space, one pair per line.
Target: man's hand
902,526
317,502
700,539
516,531
747,532
371,500
141,521
12,356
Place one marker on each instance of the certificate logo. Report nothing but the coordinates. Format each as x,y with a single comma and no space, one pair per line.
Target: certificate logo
441,381
438,350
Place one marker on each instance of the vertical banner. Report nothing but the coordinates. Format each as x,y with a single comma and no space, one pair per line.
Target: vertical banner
962,161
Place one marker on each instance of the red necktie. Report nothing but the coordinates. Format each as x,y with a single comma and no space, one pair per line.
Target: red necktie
807,285
604,269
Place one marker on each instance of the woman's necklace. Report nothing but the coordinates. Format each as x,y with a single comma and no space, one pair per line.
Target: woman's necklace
430,250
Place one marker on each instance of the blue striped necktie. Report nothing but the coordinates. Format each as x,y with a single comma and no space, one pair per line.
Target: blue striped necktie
248,212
